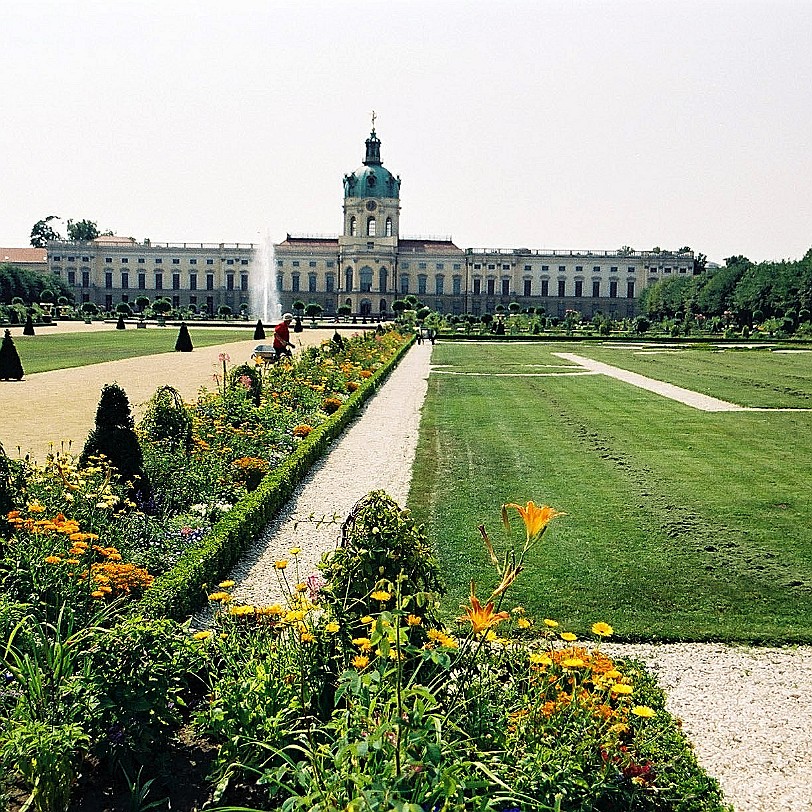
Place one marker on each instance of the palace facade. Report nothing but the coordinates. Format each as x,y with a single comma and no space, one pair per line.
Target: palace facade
367,267
370,265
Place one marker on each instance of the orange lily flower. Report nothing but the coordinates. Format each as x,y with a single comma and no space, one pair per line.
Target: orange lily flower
482,617
535,517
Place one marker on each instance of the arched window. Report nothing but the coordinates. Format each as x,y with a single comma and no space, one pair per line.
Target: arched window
353,227
365,279
388,226
371,226
382,276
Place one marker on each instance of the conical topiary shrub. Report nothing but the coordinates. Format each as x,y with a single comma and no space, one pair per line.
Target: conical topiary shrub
120,323
184,342
28,330
259,331
167,421
11,368
114,437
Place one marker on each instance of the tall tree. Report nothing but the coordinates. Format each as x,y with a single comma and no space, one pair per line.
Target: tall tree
82,230
44,231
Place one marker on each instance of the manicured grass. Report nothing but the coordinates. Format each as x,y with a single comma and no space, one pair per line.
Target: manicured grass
44,352
681,524
748,377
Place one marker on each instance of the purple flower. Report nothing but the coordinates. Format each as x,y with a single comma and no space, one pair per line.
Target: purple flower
314,583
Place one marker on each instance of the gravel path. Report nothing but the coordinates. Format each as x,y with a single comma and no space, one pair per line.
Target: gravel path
748,711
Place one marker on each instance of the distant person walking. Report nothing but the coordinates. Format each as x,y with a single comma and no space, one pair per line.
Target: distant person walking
281,337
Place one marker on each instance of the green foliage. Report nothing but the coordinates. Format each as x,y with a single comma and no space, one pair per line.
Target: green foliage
114,437
11,367
184,340
249,379
139,673
82,230
380,546
47,758
42,231
167,421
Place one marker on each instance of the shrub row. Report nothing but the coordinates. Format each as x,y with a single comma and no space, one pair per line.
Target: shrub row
181,591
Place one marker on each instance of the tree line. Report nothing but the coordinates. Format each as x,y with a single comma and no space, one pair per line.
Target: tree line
742,291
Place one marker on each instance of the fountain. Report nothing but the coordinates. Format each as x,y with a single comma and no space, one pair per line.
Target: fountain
265,302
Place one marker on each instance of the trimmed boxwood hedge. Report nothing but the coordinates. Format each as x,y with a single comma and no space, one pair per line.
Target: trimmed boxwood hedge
181,591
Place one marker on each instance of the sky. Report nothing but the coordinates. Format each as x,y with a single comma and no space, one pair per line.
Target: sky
579,124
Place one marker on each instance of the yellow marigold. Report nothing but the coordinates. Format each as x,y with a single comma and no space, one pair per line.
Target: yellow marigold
602,629
613,673
414,620
553,624
226,584
360,661
222,597
569,637
368,619
204,635
538,658
381,595
573,662
96,593
307,637
643,711
241,611
363,643
352,386
36,507
449,642
622,689
365,373
523,623
331,627
302,430
52,559
280,565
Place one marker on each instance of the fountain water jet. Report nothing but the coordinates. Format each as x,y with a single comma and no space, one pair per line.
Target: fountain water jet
265,302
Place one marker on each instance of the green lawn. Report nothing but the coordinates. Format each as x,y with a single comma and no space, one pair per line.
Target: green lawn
681,524
44,352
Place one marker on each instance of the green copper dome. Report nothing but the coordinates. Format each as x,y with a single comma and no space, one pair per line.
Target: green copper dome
372,179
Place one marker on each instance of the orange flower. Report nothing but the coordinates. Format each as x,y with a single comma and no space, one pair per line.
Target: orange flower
535,517
480,617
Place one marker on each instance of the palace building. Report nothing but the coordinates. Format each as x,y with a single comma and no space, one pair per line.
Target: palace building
370,265
367,267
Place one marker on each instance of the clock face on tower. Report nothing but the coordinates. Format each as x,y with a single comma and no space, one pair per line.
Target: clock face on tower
371,205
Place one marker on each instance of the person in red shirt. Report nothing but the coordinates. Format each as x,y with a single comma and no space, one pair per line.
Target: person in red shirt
281,337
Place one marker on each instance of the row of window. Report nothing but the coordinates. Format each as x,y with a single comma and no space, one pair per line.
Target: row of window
158,281
157,260
561,268
372,227
490,289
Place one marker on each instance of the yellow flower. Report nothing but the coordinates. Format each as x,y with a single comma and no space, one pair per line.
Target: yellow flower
331,627
524,623
360,661
602,630
569,637
573,662
537,658
414,620
622,689
295,551
280,565
52,559
36,507
301,587
241,611
363,643
535,517
644,711
222,597
491,636
381,595
613,674
518,610
551,623
368,619
480,617
226,584
97,594
307,637
204,635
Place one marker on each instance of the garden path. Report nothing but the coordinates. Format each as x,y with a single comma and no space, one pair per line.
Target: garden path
51,411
